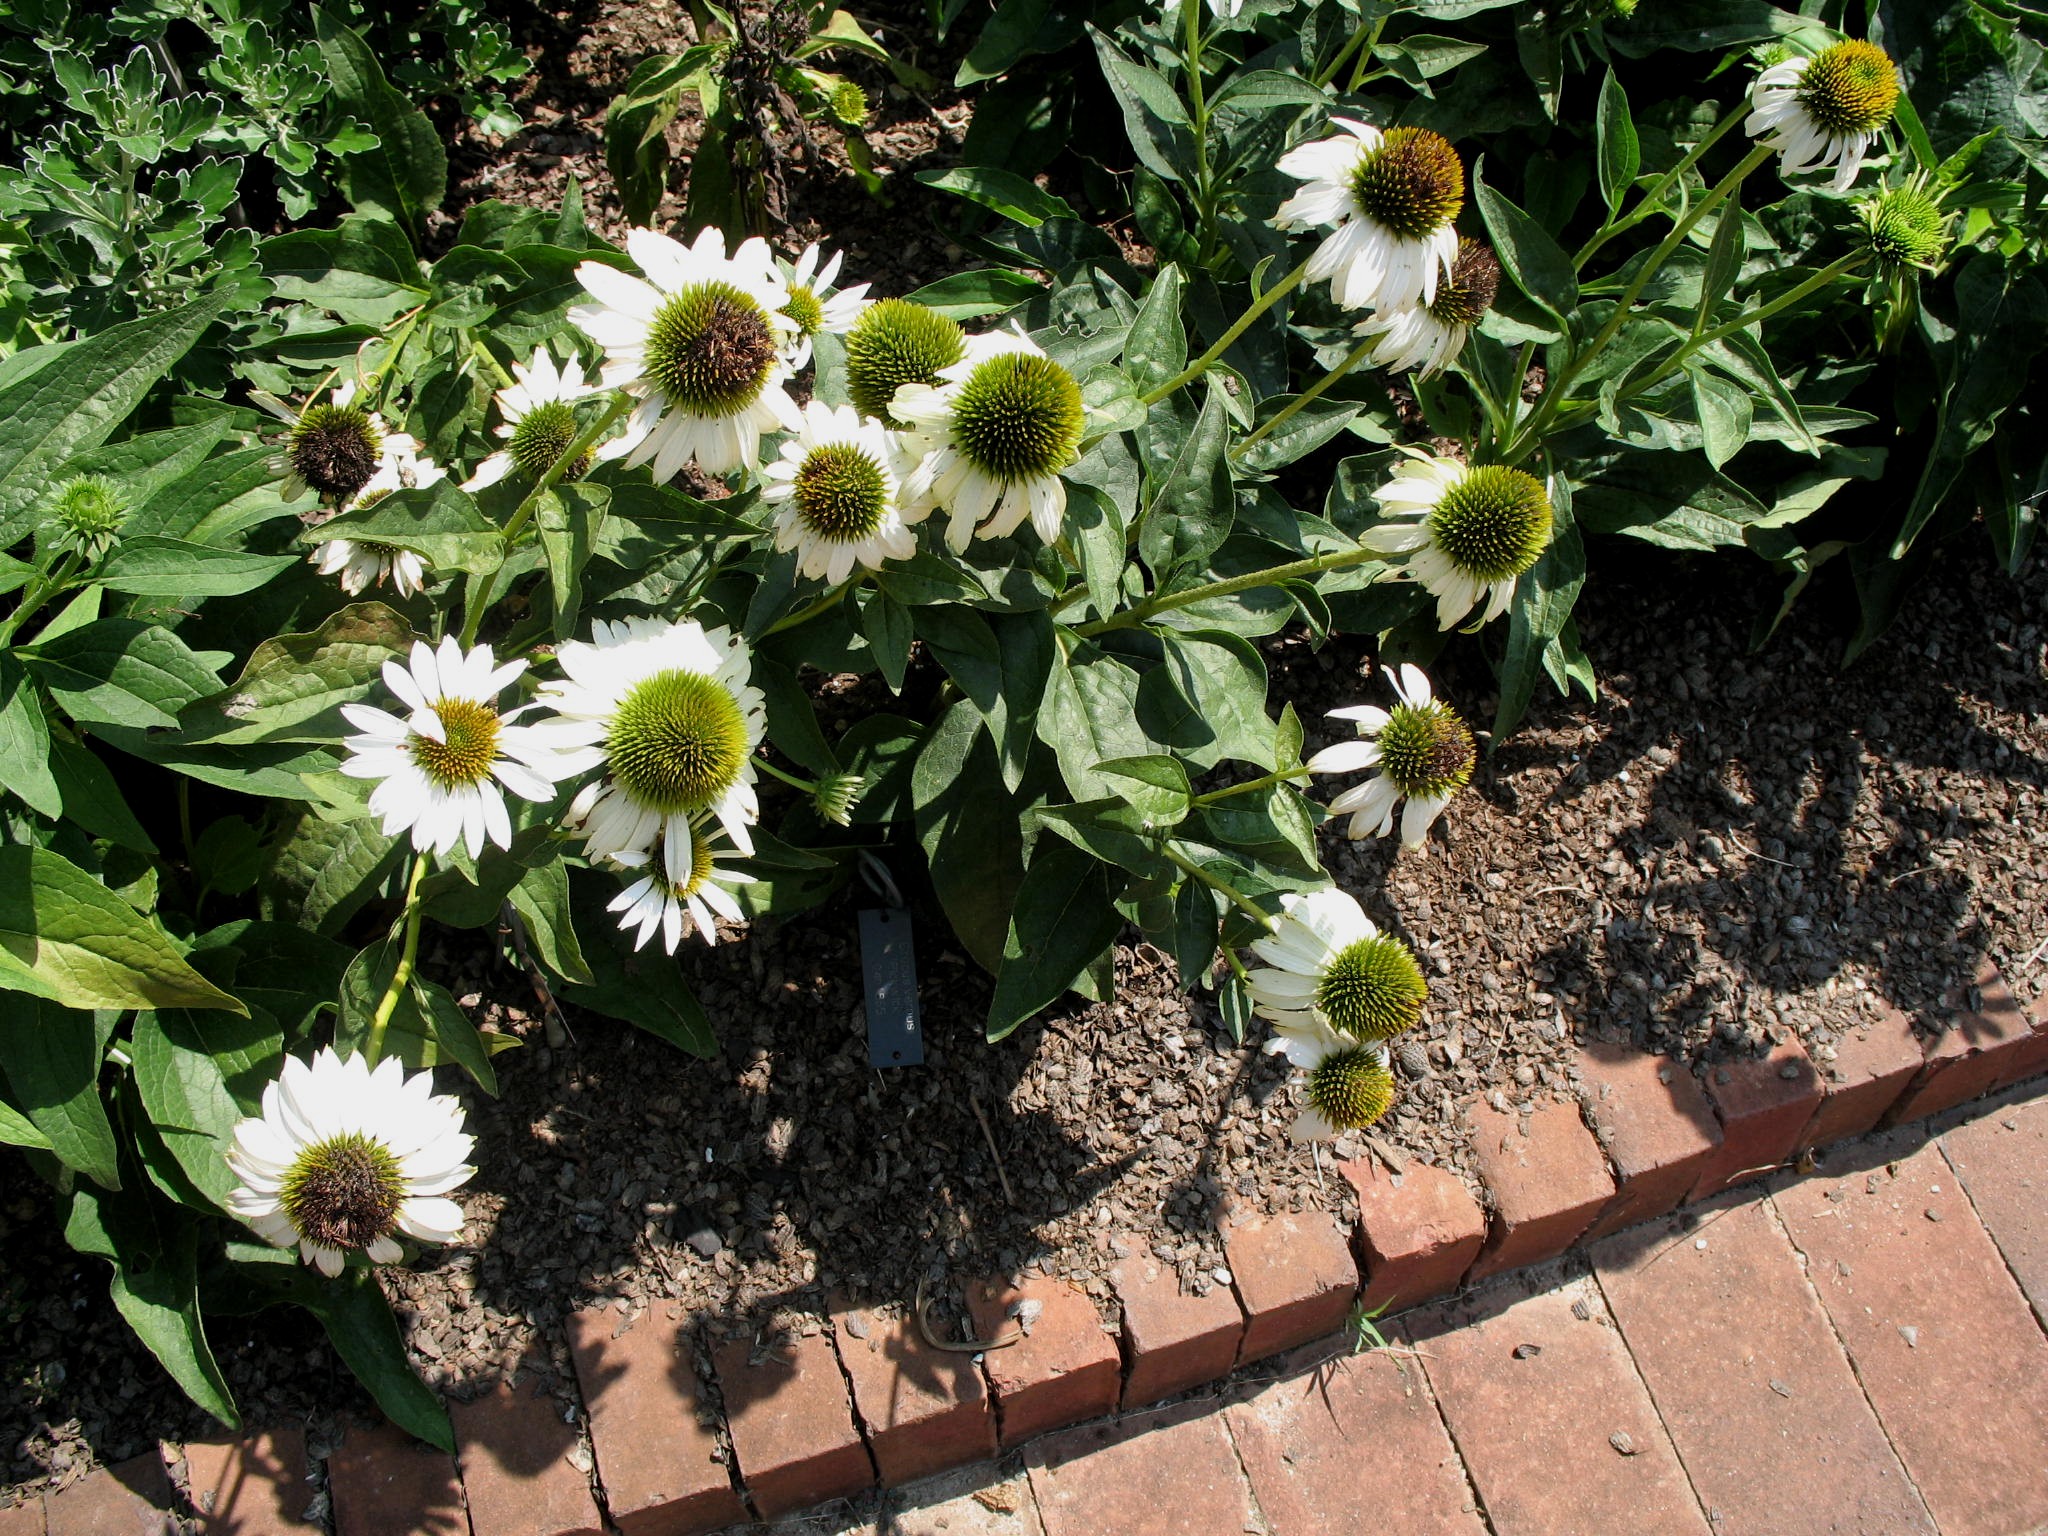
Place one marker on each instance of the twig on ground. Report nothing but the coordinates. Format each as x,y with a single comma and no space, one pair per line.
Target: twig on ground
513,927
990,1137
1782,863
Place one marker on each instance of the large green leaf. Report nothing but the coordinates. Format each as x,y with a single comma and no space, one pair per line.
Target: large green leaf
406,175
122,672
199,1073
25,741
1620,153
293,686
440,523
155,567
969,826
65,937
1192,506
1091,713
1536,262
359,1324
1544,598
1065,916
636,125
50,1059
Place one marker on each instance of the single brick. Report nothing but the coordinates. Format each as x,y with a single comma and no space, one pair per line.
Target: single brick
133,1498
1418,1232
2030,1057
1943,1342
252,1487
1872,1067
1548,1179
792,1425
1659,1131
514,1450
1765,1104
1751,1382
1296,1276
385,1483
25,1519
2002,1160
1302,1449
925,1410
1542,1400
1172,1341
1986,1036
1170,1472
657,1462
1065,1370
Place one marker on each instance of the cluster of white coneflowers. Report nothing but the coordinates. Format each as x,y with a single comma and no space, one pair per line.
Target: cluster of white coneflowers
661,720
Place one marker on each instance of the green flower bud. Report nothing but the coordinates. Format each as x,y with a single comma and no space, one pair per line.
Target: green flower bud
88,512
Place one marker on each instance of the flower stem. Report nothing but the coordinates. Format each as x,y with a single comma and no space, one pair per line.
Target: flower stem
1219,885
1269,577
1249,785
1368,36
373,1045
831,598
1652,200
788,778
1259,306
1313,393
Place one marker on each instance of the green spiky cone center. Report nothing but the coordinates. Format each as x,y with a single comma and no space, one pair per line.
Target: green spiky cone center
1426,750
1413,184
1018,417
804,311
344,1192
1907,228
710,350
464,757
1473,284
1850,87
1351,1090
677,741
542,436
335,449
896,342
1493,523
1372,988
849,105
840,493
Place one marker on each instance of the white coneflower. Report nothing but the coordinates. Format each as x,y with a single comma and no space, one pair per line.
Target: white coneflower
814,307
1394,197
1330,964
995,435
364,563
1825,110
897,342
1347,1083
1429,337
344,1158
539,423
667,711
658,902
1466,532
699,343
838,488
1422,750
335,448
441,767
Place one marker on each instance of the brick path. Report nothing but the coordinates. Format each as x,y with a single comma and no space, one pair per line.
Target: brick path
1857,1351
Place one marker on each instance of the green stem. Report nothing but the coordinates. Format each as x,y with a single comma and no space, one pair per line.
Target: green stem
373,1045
788,778
1200,365
1313,393
1361,71
1219,885
40,591
1249,785
1269,577
825,602
1360,34
1652,200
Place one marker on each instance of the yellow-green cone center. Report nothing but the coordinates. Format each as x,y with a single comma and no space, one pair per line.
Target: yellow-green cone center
840,493
1426,751
1907,228
1372,988
1413,184
710,350
1494,523
1018,417
803,308
542,436
897,342
1351,1090
471,742
335,449
1850,87
677,742
344,1192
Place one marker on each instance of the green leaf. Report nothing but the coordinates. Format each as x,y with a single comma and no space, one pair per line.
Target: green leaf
541,899
1090,715
199,1072
293,686
1157,347
983,291
1156,786
1015,198
425,1027
363,269
440,523
1207,699
1536,262
154,1249
92,799
1153,114
1620,153
50,1060
1113,830
359,1324
636,126
121,672
65,937
278,967
643,987
1543,603
154,567
1065,916
25,741
570,519
886,623
1724,259
55,413
1194,932
969,826
1724,413
1191,512
17,1130
327,870
405,176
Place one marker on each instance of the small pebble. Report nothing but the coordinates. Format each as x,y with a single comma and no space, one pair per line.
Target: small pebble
1528,1351
1623,1442
1933,1214
1700,1243
1220,1275
1910,1334
706,1242
1780,1388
